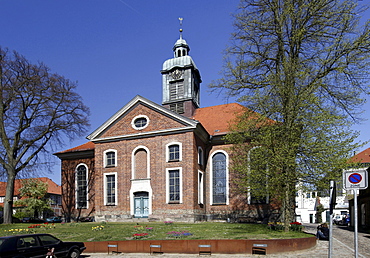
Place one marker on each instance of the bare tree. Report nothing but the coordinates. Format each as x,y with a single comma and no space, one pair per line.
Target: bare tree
38,109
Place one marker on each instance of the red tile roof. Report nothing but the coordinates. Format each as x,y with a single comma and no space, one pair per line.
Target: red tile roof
217,119
362,157
53,188
83,147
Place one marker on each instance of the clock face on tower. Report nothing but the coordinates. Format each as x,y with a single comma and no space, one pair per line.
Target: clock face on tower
176,74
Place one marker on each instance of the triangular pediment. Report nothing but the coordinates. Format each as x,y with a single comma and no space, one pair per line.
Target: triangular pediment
141,118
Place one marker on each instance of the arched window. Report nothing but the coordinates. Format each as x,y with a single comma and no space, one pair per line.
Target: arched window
140,163
141,166
200,155
173,152
81,187
110,158
219,178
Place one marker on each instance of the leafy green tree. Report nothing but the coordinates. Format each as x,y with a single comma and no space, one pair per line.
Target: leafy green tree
38,110
34,197
319,210
303,66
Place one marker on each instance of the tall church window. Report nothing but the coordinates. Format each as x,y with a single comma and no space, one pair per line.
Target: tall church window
110,187
176,90
174,194
219,178
141,164
81,187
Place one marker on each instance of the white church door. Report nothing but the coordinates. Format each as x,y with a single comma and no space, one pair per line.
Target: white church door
141,205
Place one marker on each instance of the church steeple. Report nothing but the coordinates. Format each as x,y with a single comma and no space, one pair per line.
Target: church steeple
181,80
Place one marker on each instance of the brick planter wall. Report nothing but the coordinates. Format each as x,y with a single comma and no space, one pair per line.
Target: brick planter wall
225,246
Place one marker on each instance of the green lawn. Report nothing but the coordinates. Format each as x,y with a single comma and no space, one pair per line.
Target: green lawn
91,231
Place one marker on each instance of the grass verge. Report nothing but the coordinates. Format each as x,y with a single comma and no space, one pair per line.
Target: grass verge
112,231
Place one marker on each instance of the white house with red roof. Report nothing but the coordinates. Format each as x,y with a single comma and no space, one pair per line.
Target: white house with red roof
53,193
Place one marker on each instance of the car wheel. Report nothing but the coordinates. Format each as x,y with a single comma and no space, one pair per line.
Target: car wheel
74,253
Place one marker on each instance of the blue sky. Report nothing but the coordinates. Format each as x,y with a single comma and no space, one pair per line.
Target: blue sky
115,48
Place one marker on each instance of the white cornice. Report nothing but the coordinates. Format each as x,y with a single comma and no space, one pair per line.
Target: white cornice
144,135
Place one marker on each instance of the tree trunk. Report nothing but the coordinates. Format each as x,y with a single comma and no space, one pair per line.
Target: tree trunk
8,203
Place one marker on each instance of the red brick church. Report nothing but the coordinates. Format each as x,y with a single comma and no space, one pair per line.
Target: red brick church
161,162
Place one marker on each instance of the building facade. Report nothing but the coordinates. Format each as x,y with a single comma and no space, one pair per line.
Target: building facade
161,162
53,194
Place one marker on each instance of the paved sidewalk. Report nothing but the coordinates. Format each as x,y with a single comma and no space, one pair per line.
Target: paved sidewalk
321,250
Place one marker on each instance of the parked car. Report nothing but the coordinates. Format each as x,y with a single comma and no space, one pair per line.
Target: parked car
54,220
32,220
14,220
38,245
338,219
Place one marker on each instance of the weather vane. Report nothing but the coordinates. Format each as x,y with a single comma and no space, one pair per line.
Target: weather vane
180,19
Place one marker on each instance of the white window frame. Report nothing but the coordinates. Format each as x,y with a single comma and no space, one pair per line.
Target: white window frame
137,117
87,185
133,161
168,183
168,151
115,188
106,158
211,176
200,187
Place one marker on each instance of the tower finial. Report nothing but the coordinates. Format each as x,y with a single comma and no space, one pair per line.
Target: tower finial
180,19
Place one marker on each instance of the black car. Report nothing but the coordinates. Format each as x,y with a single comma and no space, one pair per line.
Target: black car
38,245
32,220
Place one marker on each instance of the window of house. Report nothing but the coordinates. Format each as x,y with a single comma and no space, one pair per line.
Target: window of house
110,158
173,151
219,180
140,122
174,185
81,187
110,188
200,156
200,187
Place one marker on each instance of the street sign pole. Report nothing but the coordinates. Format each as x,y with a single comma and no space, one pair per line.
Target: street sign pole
355,221
355,179
333,202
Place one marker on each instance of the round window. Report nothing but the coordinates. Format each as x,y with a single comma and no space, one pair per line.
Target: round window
140,122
